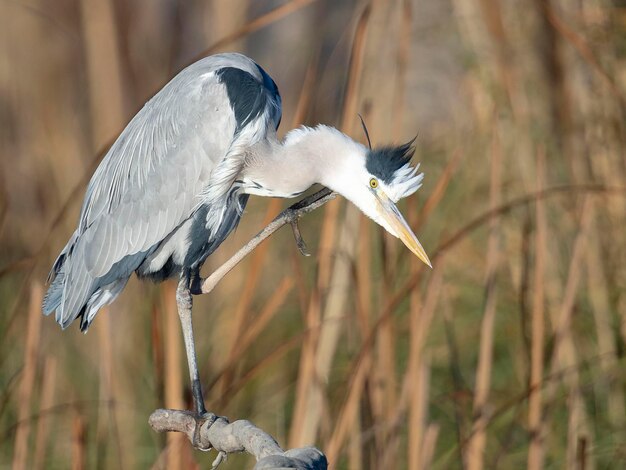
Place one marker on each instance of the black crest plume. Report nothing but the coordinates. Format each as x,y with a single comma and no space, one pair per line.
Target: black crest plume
383,162
367,134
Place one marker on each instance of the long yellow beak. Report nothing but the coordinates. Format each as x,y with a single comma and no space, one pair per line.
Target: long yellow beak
392,216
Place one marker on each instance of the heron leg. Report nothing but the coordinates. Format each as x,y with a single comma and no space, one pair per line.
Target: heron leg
184,302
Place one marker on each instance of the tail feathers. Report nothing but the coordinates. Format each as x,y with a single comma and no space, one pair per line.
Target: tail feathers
53,297
70,291
74,293
101,297
53,301
57,267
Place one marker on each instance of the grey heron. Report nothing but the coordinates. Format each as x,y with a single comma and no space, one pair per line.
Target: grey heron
175,183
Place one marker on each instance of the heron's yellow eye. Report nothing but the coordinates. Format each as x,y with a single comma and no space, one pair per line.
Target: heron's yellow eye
373,183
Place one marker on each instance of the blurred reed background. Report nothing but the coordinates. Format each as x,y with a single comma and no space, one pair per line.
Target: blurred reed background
510,353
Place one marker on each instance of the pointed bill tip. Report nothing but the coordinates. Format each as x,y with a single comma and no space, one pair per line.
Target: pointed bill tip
421,254
401,228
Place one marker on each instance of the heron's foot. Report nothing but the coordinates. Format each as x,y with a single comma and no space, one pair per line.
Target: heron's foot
298,237
202,419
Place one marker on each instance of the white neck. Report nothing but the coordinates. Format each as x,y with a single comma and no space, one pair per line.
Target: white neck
306,156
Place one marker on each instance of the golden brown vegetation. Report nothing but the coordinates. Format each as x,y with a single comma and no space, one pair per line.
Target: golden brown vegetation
509,354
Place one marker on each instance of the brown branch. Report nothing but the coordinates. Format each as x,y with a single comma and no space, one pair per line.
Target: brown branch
240,436
288,216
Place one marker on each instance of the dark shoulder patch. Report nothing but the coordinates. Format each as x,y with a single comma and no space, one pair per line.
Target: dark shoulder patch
271,87
385,161
247,95
268,82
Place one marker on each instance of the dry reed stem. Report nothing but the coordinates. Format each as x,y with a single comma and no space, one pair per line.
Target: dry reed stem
43,423
4,206
306,367
333,316
416,378
582,47
78,442
31,352
267,312
349,411
535,409
429,446
384,377
437,193
418,411
564,355
227,16
275,355
476,444
355,447
607,347
256,24
306,94
326,246
491,11
256,327
107,415
363,279
402,62
104,69
562,325
351,97
173,372
363,308
156,343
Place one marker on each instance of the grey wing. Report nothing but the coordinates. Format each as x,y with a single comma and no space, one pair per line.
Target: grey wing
148,183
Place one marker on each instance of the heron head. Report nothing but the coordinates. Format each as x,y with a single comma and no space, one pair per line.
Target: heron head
374,180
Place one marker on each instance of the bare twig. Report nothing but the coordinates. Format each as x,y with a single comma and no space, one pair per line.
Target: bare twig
31,351
239,436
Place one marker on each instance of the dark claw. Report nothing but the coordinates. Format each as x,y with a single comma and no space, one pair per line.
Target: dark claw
201,419
298,237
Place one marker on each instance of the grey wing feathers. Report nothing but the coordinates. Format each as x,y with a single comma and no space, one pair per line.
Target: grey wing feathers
146,186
